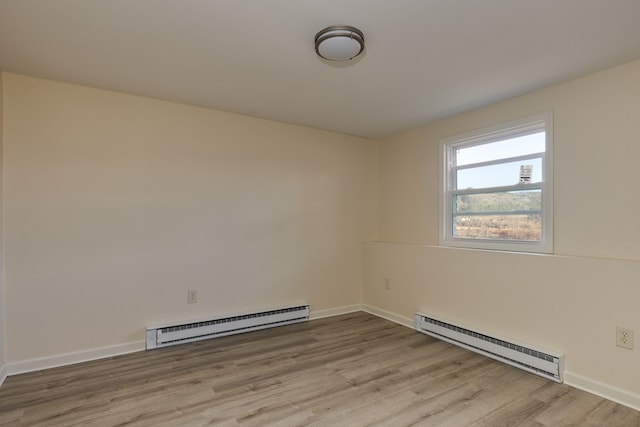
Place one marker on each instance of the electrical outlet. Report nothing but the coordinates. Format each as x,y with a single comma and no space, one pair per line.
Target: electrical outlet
387,283
192,296
624,338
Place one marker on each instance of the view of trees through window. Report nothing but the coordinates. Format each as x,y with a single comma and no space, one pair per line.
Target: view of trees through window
514,215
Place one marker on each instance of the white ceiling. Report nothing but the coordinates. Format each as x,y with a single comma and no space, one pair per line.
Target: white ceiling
424,59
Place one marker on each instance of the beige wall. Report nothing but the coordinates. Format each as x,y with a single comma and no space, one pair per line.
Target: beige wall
116,205
571,301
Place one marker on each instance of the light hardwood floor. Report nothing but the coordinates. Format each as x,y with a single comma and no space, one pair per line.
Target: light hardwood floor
350,370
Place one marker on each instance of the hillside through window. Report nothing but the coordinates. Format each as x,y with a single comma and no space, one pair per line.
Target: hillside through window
497,187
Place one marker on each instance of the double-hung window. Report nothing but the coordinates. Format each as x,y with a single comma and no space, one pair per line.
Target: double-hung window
497,191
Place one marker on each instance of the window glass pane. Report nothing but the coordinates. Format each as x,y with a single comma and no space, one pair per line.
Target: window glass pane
507,202
525,171
504,227
512,147
510,215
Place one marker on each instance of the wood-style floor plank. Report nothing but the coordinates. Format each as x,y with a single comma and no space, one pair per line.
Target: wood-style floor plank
350,370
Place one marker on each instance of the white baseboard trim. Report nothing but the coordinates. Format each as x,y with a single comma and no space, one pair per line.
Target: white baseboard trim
600,389
614,394
3,373
396,318
605,391
58,360
345,309
72,358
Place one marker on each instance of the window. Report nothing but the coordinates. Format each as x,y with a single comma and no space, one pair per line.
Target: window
497,191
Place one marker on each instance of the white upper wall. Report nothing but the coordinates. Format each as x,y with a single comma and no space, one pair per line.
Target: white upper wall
117,204
596,154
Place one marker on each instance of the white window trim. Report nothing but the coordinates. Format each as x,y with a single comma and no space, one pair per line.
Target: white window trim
485,135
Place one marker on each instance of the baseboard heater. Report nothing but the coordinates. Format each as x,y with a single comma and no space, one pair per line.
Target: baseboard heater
541,362
166,335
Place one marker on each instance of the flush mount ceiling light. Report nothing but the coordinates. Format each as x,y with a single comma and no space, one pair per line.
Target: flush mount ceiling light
339,42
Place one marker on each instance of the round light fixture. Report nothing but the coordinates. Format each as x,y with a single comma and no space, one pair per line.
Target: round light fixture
339,42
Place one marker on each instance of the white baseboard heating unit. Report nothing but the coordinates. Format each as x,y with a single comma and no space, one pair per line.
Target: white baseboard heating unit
166,335
541,362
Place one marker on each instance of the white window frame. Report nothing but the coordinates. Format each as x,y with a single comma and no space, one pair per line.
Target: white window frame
511,129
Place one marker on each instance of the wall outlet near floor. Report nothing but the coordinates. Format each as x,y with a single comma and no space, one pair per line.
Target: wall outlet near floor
387,283
192,296
624,338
